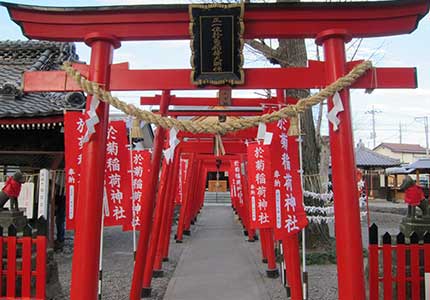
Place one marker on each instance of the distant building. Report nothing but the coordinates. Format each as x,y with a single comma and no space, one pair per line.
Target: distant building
373,165
406,153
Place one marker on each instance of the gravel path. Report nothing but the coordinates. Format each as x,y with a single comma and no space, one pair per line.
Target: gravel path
117,266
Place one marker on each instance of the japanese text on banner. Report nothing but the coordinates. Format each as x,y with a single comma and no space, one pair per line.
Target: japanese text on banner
262,207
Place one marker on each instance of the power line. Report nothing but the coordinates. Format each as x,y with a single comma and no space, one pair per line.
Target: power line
426,130
373,112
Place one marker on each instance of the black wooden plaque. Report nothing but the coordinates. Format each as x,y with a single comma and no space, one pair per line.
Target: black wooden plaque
217,44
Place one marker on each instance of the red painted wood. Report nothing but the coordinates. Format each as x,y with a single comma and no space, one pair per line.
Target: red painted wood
41,243
166,171
85,263
261,21
415,271
250,133
204,113
401,272
427,257
148,205
26,267
388,273
11,266
262,78
206,147
271,258
186,198
195,101
290,245
347,212
263,243
2,243
373,272
170,197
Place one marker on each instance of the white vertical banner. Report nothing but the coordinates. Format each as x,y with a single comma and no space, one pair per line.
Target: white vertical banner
427,284
43,193
26,199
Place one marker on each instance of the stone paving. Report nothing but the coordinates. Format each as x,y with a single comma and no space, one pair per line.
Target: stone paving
217,262
208,233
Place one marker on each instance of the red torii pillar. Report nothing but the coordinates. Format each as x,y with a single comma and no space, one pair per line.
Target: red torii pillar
349,247
165,230
148,205
86,254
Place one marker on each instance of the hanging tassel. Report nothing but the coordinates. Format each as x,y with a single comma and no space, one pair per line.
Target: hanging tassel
294,129
218,146
136,130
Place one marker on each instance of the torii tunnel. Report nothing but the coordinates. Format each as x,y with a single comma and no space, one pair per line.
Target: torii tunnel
331,25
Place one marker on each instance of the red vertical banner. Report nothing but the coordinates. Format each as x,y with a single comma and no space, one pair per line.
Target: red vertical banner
117,190
237,178
233,189
183,170
117,199
139,169
289,210
260,181
74,131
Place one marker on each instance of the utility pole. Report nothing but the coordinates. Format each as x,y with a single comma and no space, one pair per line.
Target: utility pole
400,132
426,130
373,112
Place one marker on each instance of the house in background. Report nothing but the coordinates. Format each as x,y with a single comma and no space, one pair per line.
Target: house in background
373,166
406,153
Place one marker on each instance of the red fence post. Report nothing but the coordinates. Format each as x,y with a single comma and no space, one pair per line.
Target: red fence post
41,244
373,263
26,242
387,260
349,247
11,259
148,205
401,267
86,254
2,241
415,266
427,264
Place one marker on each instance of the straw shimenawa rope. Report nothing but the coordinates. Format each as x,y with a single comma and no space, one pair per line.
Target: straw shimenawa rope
216,127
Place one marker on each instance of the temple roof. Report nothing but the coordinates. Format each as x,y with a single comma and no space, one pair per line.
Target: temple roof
368,158
19,56
403,148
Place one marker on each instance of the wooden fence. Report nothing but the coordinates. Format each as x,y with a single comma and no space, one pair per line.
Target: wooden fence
399,268
23,267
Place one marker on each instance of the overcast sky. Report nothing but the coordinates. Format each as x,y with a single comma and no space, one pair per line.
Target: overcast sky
395,106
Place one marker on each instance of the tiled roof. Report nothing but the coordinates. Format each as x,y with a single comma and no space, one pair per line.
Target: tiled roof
368,158
403,148
19,56
420,164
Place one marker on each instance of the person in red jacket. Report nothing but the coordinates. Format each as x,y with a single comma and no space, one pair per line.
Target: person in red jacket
414,196
11,191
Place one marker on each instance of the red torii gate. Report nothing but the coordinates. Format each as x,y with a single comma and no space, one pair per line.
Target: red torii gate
331,24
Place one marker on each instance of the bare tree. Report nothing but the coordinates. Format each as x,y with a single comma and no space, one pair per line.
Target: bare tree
292,53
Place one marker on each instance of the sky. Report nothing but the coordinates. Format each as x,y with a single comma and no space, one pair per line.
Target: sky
395,108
